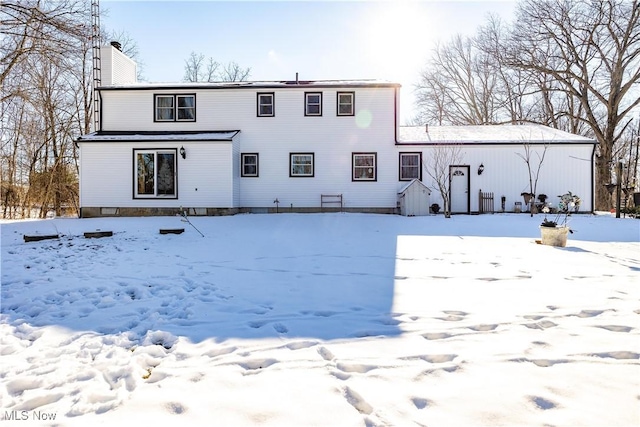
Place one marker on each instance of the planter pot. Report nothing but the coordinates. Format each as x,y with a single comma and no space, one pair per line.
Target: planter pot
554,236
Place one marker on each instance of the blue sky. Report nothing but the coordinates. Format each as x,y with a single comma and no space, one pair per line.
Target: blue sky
388,40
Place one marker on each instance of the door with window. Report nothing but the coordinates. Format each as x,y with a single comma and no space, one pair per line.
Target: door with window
459,189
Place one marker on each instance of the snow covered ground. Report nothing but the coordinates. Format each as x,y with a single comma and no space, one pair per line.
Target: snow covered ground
321,320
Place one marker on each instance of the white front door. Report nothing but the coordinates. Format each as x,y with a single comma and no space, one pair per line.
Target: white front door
459,191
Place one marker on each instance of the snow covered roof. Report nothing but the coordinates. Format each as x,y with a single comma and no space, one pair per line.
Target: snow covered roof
224,135
488,134
410,183
255,85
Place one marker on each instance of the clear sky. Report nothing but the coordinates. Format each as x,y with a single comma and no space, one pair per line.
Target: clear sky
389,40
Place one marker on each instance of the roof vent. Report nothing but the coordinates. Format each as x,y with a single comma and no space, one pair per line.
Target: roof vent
117,45
426,128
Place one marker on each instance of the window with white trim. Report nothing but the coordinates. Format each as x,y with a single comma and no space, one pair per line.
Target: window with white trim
175,108
346,102
155,174
364,166
313,103
301,164
249,165
410,166
266,104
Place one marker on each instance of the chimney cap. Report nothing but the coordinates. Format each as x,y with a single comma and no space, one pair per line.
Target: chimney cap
117,45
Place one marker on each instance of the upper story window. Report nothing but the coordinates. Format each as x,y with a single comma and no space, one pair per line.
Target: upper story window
266,104
175,108
155,174
249,165
301,164
313,103
346,103
364,167
410,166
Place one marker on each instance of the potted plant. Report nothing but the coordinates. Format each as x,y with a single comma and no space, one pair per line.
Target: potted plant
527,197
555,232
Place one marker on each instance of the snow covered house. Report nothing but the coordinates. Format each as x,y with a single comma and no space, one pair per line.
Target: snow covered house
301,146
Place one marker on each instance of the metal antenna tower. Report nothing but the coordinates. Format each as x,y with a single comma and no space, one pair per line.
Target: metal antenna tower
97,66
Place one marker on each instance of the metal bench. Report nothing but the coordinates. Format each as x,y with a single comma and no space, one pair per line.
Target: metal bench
330,200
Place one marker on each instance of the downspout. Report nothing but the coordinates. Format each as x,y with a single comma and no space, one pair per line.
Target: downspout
593,177
100,112
395,115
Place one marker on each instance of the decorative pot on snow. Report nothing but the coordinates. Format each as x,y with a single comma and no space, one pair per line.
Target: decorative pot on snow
554,236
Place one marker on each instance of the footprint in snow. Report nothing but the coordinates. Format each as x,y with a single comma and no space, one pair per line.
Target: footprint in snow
483,328
543,403
280,328
589,313
326,354
420,403
436,335
175,408
545,324
615,328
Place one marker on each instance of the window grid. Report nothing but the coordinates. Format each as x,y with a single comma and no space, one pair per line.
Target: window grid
249,166
155,174
364,166
345,102
301,165
186,108
266,104
164,108
313,104
410,166
175,108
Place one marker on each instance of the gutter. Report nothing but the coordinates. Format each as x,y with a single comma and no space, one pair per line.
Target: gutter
593,179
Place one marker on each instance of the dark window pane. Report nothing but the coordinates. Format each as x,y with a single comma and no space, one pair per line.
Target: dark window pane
166,174
146,163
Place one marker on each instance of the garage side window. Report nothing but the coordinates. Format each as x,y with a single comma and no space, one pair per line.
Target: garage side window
410,166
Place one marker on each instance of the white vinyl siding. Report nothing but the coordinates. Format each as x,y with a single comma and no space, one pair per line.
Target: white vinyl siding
116,67
505,173
211,176
205,177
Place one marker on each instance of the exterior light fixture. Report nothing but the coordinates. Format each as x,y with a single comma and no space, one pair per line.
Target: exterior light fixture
480,169
183,153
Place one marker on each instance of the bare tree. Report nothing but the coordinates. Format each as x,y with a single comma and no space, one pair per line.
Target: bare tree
45,103
37,26
534,164
437,168
591,49
197,68
232,72
465,84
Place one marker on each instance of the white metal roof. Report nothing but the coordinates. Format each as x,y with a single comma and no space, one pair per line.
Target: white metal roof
488,134
254,84
412,182
159,136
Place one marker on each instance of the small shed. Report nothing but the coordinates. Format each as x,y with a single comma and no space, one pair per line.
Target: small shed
414,199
